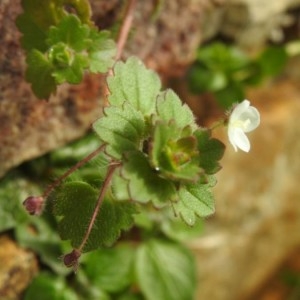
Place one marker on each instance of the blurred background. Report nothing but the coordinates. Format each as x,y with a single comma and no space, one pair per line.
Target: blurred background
214,53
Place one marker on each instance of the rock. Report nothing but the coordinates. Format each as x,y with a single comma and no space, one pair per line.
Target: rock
257,220
17,269
32,127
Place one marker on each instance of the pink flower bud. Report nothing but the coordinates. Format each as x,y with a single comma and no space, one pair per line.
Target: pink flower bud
72,259
34,205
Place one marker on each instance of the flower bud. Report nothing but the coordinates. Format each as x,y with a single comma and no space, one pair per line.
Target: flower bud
34,205
72,259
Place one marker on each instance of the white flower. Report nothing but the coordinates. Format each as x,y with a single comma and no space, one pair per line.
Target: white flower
243,118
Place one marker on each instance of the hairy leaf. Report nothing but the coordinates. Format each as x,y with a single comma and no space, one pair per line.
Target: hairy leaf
122,128
169,107
211,151
195,200
101,51
76,201
71,32
134,83
165,271
145,184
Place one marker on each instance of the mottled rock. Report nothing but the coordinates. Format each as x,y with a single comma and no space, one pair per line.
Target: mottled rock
17,268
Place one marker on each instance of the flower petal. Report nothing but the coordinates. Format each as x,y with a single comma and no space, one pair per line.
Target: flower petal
239,110
241,140
238,139
251,119
231,135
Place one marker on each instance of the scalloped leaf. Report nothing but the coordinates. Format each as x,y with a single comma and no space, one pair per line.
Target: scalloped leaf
133,82
70,31
145,184
211,151
122,128
165,271
195,200
101,51
75,203
170,107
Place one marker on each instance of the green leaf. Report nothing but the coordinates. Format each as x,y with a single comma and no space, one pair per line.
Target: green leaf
173,154
101,51
76,201
34,37
71,32
35,21
272,60
122,128
39,74
12,212
165,271
120,187
202,79
179,231
211,151
144,183
111,269
169,107
40,237
49,287
231,94
72,73
220,57
195,200
134,83
73,152
130,295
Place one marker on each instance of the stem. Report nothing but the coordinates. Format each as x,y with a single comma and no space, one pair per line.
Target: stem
125,28
218,124
104,188
121,41
58,181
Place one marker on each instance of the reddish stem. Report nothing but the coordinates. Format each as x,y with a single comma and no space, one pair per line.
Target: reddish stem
104,188
122,38
125,28
58,181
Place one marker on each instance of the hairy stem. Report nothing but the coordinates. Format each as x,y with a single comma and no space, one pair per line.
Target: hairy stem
59,180
125,28
122,38
104,188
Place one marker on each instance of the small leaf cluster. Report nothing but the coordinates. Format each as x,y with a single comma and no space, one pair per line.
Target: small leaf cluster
226,70
60,46
156,269
149,262
167,160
